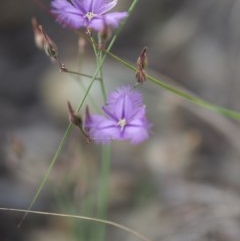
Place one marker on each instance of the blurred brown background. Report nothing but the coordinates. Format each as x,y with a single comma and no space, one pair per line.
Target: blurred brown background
183,183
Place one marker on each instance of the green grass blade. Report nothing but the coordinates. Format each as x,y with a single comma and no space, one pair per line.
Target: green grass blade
195,100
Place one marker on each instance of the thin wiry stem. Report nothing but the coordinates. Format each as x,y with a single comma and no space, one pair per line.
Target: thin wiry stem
103,89
44,180
98,55
103,192
114,224
102,200
79,74
192,98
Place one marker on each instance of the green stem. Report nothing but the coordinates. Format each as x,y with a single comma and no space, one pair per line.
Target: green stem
113,224
98,232
130,10
98,55
192,98
45,178
77,73
103,89
103,196
103,191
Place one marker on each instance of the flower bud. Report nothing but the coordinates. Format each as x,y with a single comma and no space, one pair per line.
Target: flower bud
38,36
142,62
43,41
49,46
73,117
77,121
141,76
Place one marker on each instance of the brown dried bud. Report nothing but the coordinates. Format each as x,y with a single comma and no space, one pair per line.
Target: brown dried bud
38,36
142,63
73,117
141,76
142,60
43,41
77,121
49,46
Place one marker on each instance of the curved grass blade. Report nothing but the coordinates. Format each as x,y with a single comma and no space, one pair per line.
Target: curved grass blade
195,100
117,225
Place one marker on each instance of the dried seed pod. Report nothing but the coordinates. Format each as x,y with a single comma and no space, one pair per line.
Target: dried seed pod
49,46
142,63
77,121
38,36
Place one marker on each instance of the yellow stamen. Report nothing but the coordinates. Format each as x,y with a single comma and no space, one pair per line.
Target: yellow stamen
90,15
122,123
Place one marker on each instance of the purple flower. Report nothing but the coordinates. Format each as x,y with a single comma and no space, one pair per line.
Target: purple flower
87,13
125,118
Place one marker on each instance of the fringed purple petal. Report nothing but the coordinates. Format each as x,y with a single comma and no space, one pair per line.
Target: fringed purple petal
80,5
101,129
136,134
110,19
67,14
138,113
97,24
73,13
135,96
103,6
124,107
125,118
114,19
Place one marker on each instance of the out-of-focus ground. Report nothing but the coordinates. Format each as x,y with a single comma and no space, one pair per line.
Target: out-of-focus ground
183,183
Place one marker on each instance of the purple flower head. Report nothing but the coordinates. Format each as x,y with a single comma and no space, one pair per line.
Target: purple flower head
125,118
87,13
